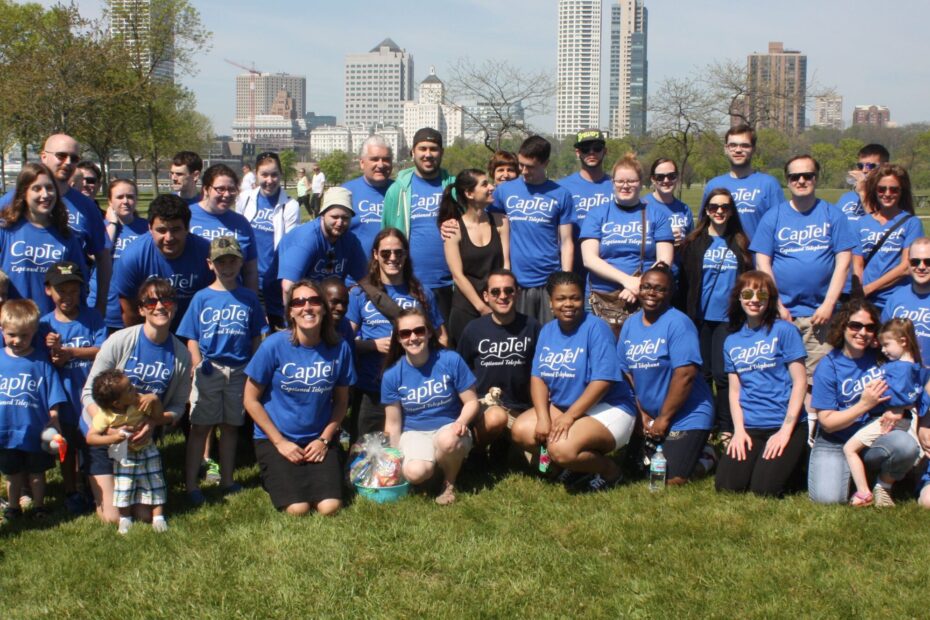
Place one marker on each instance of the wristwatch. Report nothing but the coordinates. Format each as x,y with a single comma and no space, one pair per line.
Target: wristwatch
324,440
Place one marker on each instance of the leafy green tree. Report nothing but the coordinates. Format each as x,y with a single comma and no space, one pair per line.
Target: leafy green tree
288,159
335,167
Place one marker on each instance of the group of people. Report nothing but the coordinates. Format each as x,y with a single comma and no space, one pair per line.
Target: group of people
459,315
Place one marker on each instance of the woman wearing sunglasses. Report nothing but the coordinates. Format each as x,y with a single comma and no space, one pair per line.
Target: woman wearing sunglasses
885,233
712,257
764,357
159,366
583,408
659,353
297,393
272,214
430,400
847,393
665,179
479,245
388,288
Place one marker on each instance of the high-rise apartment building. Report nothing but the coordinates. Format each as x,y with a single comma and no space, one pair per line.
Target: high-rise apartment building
578,70
777,89
131,20
377,84
875,115
828,112
267,86
431,110
629,68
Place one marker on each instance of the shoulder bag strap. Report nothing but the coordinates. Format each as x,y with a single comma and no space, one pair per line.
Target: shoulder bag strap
884,238
382,301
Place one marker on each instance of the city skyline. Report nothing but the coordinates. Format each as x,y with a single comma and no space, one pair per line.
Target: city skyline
683,37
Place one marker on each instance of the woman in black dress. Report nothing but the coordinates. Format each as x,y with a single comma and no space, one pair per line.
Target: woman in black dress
479,245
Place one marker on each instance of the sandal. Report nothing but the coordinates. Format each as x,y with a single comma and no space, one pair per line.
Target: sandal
861,499
447,496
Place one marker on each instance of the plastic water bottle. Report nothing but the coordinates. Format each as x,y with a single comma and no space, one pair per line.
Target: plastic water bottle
657,471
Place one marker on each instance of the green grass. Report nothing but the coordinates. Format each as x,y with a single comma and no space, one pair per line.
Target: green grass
512,546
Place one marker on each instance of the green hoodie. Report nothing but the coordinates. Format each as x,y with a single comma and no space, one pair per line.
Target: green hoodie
396,210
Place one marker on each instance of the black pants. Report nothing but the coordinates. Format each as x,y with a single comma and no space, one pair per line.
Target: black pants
367,414
712,334
314,206
762,476
443,296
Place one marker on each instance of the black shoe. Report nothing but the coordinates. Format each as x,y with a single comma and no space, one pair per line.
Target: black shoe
594,483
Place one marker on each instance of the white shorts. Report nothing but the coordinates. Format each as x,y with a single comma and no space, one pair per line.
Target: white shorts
618,422
420,445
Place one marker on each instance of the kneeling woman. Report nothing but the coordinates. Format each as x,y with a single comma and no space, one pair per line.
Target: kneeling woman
659,350
764,358
583,408
429,398
297,392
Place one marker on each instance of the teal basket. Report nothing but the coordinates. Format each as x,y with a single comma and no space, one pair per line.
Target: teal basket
383,495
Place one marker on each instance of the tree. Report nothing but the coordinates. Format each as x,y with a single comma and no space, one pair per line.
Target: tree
335,167
495,97
288,159
682,111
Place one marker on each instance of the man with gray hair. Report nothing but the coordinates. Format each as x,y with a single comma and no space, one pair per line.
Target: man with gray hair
376,160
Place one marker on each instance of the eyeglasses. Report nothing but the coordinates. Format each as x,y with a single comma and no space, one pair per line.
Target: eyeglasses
794,177
645,288
150,303
891,190
661,178
497,292
387,254
625,182
917,262
713,208
62,156
591,148
300,302
748,293
856,326
404,334
745,146
89,181
867,166
225,190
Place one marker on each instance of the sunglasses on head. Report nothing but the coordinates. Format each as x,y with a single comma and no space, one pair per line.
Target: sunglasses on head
387,254
497,292
661,178
150,303
794,177
748,293
856,326
917,262
300,302
419,331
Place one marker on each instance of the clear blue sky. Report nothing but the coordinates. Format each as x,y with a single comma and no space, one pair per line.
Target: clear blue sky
312,38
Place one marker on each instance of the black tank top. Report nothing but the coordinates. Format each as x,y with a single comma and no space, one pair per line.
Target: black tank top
477,262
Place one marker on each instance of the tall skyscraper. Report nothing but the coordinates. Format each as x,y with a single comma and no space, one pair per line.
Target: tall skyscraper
629,68
431,110
267,86
377,85
828,112
578,71
131,21
777,89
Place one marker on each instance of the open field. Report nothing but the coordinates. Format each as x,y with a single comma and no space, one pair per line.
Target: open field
513,546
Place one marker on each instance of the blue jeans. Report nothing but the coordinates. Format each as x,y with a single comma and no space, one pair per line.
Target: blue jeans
828,477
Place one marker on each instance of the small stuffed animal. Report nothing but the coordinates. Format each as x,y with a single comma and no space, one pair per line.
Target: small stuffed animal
493,397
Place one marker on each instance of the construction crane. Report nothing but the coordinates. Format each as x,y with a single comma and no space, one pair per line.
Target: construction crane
252,73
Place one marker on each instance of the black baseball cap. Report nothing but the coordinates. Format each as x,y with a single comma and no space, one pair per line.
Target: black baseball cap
427,134
589,135
62,272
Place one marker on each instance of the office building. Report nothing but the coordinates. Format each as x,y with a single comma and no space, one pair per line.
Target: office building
267,87
578,68
431,110
777,89
377,84
874,115
131,20
828,112
629,68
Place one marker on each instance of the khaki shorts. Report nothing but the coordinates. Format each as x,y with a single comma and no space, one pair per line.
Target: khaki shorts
873,430
420,445
216,398
815,343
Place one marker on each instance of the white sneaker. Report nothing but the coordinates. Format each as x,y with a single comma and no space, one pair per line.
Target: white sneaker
882,497
124,524
159,524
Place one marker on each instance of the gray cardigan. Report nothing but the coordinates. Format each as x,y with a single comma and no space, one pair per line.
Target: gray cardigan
116,351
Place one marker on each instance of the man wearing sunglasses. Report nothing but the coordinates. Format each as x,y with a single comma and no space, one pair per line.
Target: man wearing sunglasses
754,192
499,349
870,157
323,247
806,245
590,187
61,155
913,302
